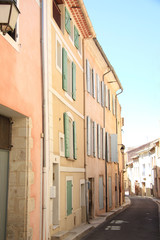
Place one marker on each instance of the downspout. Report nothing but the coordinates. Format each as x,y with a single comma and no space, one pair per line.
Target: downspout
85,163
117,135
44,119
104,124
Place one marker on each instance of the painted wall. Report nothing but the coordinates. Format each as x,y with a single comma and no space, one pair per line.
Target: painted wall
60,103
20,86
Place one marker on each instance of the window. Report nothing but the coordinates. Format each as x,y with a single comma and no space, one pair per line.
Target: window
61,144
143,169
91,137
58,54
68,75
57,13
70,137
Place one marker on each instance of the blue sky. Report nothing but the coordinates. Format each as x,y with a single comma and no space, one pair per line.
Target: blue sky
129,33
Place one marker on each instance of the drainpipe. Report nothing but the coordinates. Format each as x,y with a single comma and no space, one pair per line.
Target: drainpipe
104,124
117,134
44,118
85,163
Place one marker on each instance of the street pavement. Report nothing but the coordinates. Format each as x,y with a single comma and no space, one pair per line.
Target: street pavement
139,221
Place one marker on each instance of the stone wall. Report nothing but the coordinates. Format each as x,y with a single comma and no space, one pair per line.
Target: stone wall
20,179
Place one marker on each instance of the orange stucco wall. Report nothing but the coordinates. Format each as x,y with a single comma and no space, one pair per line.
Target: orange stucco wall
20,85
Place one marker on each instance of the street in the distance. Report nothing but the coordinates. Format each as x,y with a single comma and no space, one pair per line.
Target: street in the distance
139,221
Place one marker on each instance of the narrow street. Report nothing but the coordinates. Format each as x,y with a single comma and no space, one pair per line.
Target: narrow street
138,222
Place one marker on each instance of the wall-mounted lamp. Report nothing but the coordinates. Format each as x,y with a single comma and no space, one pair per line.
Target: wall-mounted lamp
122,148
8,15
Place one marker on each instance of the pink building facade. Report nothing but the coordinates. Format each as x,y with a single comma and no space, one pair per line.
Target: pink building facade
21,126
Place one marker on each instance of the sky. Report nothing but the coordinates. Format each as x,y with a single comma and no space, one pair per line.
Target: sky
129,33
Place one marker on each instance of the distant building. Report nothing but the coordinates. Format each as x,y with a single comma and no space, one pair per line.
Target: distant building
143,165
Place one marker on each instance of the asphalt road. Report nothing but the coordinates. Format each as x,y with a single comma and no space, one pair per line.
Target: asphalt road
139,221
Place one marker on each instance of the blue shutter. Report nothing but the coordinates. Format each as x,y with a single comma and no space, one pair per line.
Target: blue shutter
67,21
73,81
74,141
64,69
69,197
101,201
66,134
76,37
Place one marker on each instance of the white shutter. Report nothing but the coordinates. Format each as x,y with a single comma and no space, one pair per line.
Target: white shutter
113,104
109,99
106,96
88,136
107,147
94,139
91,137
102,93
97,79
98,140
99,91
93,79
88,76
103,143
114,150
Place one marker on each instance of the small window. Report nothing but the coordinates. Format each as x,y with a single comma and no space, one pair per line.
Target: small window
59,55
70,137
61,144
68,75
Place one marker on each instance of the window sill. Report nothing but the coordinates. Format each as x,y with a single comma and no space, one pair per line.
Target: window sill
69,97
71,159
12,42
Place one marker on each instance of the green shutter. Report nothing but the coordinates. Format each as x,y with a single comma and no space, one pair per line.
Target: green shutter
64,69
66,134
69,197
73,81
76,37
67,21
74,141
